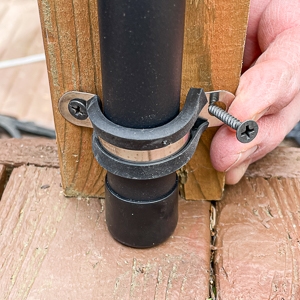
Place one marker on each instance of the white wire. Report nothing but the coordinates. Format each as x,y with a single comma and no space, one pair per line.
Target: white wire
22,61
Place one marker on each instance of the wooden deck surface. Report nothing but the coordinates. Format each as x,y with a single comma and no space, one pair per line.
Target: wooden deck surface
258,231
24,90
54,247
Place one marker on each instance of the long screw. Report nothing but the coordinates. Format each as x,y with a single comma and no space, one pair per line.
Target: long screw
245,131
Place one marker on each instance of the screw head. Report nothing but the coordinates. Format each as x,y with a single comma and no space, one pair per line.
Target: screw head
247,131
77,108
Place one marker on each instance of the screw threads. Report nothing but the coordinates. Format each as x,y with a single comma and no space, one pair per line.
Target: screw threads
213,98
224,116
245,131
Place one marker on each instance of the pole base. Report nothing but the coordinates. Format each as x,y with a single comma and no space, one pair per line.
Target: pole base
141,224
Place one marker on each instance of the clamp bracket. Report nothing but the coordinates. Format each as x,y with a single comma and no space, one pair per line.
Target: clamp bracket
139,153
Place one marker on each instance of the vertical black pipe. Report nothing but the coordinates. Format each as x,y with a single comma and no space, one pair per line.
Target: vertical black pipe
141,57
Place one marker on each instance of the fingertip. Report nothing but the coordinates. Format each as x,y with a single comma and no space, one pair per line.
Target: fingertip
265,88
221,150
227,152
234,175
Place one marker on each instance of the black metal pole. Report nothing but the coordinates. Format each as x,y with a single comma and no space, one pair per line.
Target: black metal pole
141,55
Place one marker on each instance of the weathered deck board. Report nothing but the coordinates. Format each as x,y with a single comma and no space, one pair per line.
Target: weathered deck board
258,235
54,247
37,151
281,162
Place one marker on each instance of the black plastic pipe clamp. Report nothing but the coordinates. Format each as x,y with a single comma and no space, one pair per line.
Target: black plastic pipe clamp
187,126
146,214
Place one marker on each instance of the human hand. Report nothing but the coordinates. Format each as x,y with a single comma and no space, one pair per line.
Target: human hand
269,88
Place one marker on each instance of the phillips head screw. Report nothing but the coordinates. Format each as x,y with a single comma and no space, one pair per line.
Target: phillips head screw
77,108
245,131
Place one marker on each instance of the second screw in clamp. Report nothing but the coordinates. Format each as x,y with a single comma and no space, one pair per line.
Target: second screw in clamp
77,108
245,131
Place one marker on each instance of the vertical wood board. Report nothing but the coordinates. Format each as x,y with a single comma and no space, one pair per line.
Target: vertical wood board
214,39
215,34
71,40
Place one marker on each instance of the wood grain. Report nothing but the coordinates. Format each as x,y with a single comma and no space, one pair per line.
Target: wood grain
71,41
54,247
258,254
215,32
281,162
258,231
36,151
214,39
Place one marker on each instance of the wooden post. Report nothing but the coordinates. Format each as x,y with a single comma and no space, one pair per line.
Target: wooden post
213,49
70,32
215,33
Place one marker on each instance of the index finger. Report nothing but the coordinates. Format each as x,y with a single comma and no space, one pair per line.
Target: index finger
272,82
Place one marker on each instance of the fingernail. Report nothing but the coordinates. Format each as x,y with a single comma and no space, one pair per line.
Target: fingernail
258,115
242,156
235,174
